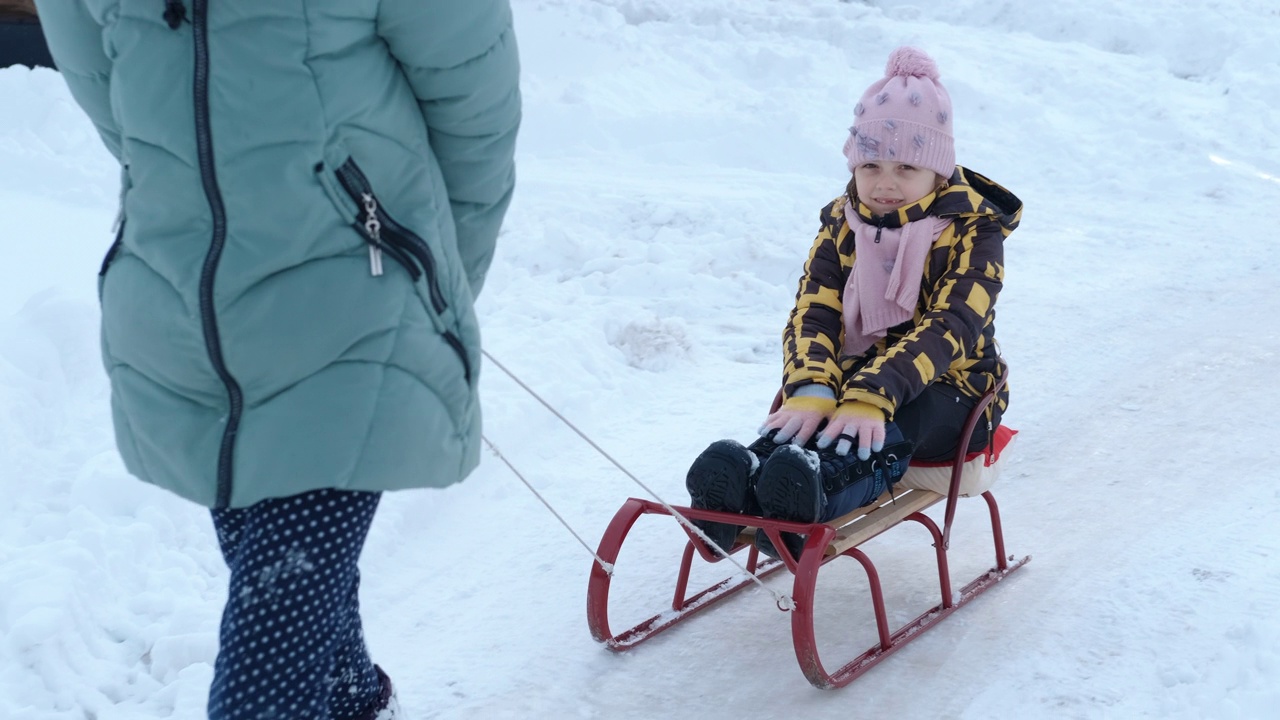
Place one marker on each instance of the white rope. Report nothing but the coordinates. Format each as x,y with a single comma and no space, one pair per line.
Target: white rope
784,602
607,567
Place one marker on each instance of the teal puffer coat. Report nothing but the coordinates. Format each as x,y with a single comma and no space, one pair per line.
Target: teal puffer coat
312,190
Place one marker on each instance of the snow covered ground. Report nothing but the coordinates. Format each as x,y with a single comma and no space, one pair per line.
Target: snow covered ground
674,158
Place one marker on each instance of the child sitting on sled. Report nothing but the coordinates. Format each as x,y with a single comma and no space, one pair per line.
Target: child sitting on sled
892,339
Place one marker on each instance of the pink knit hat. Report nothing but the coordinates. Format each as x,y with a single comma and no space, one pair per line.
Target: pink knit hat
904,117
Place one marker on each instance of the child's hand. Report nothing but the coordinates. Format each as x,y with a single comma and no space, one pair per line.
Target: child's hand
860,420
798,418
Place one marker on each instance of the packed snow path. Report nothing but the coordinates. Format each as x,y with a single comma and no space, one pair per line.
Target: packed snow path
674,157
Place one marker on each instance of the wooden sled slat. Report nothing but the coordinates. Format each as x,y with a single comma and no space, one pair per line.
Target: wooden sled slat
891,509
864,523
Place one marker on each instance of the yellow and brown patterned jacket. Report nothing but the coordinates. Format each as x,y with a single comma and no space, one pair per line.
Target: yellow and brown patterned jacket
951,339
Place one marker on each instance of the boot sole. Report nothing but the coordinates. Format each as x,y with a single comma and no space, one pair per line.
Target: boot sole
718,480
790,488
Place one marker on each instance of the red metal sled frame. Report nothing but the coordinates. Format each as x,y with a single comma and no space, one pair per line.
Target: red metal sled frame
820,536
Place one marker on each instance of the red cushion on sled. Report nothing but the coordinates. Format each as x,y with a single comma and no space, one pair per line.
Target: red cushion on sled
1001,439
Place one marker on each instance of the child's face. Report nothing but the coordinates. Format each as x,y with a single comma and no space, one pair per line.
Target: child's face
886,186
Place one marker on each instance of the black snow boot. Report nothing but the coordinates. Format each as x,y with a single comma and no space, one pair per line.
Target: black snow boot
811,486
385,706
723,478
789,488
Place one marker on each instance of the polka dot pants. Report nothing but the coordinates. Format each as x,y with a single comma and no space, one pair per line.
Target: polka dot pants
291,643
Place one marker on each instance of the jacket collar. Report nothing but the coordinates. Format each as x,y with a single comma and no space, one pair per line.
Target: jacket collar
917,210
967,194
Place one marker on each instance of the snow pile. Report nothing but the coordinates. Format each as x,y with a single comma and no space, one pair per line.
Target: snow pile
674,158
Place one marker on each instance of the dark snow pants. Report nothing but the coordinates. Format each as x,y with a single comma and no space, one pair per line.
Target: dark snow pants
934,420
291,644
22,43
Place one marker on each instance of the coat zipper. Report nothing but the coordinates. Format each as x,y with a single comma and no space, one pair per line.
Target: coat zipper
369,225
353,180
373,229
383,232
209,178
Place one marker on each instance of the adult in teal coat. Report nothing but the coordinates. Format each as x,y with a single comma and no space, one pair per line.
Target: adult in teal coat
311,193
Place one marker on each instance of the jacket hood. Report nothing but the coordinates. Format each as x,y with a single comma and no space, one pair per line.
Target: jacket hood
969,194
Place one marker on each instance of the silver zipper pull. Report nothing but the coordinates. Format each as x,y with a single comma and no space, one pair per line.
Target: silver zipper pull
373,228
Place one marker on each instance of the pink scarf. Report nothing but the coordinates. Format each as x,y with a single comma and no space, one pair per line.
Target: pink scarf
884,284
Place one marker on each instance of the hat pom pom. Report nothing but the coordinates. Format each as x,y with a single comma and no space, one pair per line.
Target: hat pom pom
911,62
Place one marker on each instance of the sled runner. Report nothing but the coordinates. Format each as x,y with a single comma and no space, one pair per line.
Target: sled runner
826,542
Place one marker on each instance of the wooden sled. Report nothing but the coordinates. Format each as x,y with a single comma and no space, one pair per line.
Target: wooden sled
826,542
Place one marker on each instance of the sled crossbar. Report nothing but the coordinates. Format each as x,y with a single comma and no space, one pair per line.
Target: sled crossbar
824,543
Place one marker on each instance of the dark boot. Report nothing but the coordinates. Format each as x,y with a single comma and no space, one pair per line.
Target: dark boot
720,479
789,488
723,478
812,486
385,706
850,483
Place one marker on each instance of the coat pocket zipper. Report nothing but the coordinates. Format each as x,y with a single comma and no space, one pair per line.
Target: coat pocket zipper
384,234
